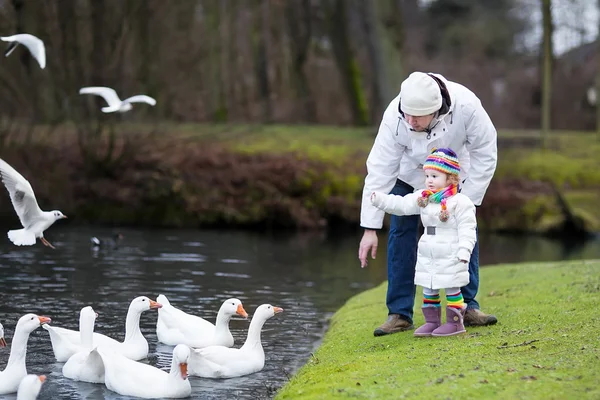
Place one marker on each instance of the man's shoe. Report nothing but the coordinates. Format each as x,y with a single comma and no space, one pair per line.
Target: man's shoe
475,317
395,323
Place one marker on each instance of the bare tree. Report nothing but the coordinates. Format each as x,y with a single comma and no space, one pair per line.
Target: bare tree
598,77
547,57
380,82
337,23
299,29
261,58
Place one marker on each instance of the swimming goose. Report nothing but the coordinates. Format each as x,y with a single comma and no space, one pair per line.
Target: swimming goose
16,369
34,45
175,327
85,365
132,378
135,345
2,340
61,345
30,387
225,362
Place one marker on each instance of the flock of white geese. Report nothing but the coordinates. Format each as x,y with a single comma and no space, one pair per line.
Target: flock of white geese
200,348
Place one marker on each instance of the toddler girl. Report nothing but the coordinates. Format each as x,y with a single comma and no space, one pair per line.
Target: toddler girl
448,239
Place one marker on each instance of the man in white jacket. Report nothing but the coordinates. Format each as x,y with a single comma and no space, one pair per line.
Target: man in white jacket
430,112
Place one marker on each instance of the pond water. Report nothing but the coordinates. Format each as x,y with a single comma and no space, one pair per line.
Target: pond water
308,275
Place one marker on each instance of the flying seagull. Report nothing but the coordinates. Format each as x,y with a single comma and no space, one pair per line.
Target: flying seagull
33,44
34,220
114,103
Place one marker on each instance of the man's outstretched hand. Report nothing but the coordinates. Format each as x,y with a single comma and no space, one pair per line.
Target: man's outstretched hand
367,243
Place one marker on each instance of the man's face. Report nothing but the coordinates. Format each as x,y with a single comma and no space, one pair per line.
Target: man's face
421,123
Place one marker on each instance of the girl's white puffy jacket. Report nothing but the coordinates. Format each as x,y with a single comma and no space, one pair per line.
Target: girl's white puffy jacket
399,153
439,256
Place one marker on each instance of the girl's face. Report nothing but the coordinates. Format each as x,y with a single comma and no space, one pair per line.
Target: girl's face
435,180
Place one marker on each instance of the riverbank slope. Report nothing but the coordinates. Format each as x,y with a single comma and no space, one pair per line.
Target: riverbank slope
280,177
545,345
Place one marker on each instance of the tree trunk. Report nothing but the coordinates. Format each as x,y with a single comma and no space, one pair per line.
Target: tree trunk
345,61
99,38
20,13
143,15
261,59
218,64
379,80
547,56
598,78
299,28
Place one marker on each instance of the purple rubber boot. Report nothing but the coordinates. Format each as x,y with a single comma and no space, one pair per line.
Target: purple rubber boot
454,323
433,319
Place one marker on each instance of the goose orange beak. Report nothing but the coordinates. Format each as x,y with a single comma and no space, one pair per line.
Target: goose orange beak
44,320
277,310
240,311
42,378
183,369
154,305
2,342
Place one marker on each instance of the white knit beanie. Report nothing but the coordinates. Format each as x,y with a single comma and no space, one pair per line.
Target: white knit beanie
420,95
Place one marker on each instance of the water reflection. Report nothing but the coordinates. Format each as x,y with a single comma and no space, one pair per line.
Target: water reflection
309,275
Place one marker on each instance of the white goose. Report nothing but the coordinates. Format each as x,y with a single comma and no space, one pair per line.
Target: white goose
85,365
132,378
34,45
135,345
225,362
15,369
2,340
30,387
62,346
175,327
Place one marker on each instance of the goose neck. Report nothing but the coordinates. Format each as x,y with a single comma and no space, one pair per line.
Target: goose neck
132,325
18,349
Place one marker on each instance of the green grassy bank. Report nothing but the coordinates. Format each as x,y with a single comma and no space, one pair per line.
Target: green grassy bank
545,345
297,177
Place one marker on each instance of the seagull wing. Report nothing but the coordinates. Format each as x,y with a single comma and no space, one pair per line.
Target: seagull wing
34,45
107,93
21,194
141,98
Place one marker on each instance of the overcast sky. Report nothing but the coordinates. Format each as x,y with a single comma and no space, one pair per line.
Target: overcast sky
575,21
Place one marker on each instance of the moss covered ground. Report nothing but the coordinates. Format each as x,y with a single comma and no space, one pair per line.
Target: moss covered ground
545,345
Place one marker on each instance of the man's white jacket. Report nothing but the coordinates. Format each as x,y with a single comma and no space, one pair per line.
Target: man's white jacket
399,152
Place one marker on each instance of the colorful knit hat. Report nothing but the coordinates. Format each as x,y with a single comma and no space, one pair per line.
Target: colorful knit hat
443,160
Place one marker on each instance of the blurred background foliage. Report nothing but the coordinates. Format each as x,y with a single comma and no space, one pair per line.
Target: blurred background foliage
266,109
296,61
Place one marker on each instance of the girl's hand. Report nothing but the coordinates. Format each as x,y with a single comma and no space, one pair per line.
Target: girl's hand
377,199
